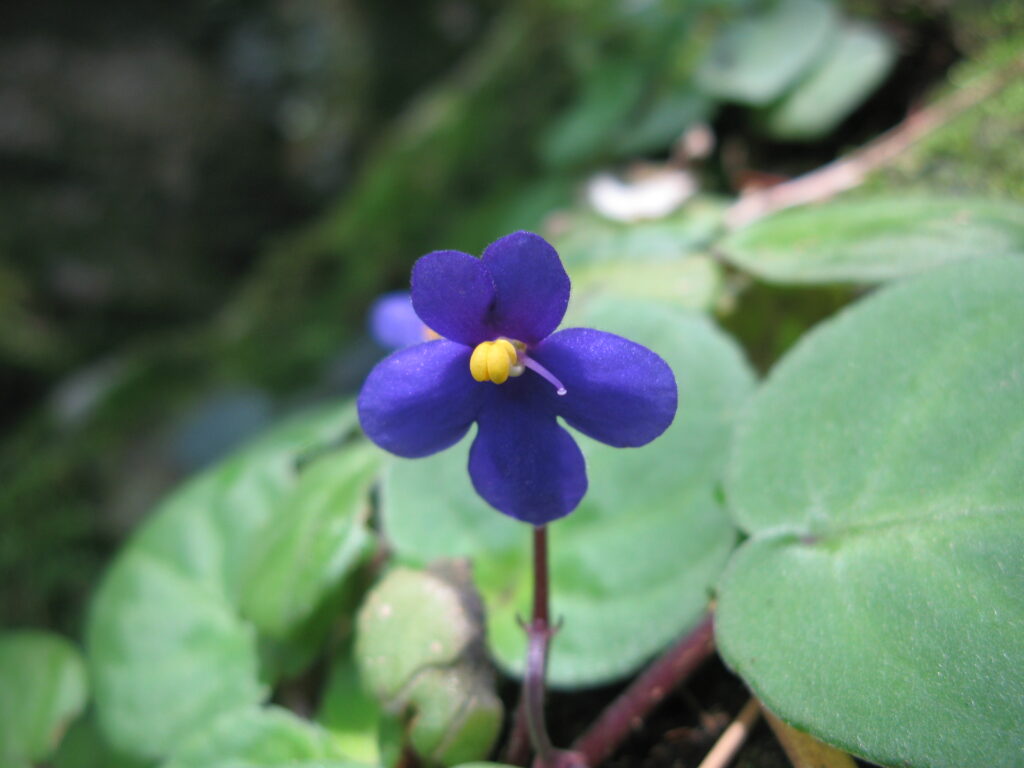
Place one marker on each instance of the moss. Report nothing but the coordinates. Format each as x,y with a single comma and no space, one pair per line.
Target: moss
978,151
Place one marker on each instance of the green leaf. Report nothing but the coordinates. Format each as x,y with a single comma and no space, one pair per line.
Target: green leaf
759,56
660,259
875,239
585,240
43,687
168,647
665,121
268,737
85,747
619,608
419,651
304,553
348,712
879,603
856,62
590,125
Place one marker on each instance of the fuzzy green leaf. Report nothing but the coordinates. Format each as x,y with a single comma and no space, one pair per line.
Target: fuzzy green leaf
879,603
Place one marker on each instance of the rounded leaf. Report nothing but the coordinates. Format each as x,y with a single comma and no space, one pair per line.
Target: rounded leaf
875,239
879,603
168,646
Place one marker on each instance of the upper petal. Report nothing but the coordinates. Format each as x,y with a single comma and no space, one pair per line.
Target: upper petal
453,294
532,288
522,462
394,323
617,391
421,399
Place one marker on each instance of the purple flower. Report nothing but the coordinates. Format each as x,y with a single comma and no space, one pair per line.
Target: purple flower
395,324
500,364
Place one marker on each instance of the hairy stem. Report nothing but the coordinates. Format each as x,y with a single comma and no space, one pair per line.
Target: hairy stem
627,712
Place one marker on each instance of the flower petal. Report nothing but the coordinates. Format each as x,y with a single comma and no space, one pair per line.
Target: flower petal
532,288
453,293
617,391
421,399
394,323
522,462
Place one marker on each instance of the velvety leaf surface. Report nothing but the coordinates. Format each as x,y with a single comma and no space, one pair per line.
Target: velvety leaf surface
631,568
879,603
857,60
875,239
43,687
270,737
760,55
168,647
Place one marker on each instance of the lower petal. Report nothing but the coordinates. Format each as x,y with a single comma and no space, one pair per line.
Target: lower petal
617,391
421,399
523,463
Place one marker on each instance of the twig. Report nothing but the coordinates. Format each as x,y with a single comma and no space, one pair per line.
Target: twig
627,712
803,750
851,171
732,738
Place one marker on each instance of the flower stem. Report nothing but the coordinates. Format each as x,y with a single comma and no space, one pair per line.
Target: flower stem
529,727
538,635
626,713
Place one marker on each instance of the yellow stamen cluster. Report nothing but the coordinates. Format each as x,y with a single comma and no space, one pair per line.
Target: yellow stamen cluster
495,361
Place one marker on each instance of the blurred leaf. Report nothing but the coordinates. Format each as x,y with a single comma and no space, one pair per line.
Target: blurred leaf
348,712
879,603
694,283
665,121
858,60
609,93
659,500
656,259
584,239
43,687
168,648
270,737
303,554
874,239
85,747
419,651
760,55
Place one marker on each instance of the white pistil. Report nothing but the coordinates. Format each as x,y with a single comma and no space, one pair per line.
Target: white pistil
547,375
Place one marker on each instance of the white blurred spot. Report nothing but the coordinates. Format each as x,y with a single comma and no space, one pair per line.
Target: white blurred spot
647,194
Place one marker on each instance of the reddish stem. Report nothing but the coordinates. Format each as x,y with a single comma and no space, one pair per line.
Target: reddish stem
627,712
529,727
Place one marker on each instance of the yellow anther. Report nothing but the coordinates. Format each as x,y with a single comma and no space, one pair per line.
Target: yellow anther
478,361
494,361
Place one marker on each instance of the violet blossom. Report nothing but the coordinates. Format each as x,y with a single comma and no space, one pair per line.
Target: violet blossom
500,363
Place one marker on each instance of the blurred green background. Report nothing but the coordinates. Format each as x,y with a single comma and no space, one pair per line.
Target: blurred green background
199,200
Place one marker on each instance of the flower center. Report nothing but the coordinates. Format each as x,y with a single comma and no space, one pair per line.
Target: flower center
501,359
496,361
